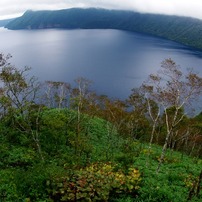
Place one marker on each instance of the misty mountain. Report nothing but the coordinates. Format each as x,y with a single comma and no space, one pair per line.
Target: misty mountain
5,22
184,30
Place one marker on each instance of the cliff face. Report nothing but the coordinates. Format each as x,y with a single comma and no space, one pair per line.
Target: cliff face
185,30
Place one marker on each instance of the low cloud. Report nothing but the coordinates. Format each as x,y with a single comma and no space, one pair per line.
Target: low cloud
172,7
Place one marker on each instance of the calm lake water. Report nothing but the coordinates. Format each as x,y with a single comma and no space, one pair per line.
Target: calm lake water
116,61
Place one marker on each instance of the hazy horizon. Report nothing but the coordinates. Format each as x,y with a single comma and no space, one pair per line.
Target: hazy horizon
189,8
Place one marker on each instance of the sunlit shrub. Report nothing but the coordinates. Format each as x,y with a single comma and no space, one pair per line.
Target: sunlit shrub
94,183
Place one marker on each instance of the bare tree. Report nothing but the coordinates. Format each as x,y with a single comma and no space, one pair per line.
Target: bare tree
138,106
57,94
78,98
171,88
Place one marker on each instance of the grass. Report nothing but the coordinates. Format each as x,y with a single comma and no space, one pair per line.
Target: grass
172,183
23,176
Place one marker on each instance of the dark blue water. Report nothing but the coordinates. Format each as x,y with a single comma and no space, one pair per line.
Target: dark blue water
116,61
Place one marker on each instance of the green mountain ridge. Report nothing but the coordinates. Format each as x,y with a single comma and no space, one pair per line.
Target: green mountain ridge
5,22
185,30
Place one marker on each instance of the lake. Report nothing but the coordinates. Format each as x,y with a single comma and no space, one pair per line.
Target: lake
116,61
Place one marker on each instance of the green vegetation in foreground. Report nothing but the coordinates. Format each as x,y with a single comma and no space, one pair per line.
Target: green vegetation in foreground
185,30
100,167
65,143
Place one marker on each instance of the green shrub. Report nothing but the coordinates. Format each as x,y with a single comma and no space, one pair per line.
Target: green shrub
96,182
32,183
8,188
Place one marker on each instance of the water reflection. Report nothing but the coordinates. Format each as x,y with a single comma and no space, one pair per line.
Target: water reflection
116,61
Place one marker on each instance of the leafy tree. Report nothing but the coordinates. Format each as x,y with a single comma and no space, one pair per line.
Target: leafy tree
19,94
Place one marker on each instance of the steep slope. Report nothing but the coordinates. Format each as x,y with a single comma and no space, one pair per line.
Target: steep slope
5,22
185,30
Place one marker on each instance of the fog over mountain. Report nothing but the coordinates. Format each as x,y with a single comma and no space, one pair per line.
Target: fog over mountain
184,30
191,8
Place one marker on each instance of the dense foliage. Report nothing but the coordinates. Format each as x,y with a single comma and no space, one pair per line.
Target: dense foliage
63,142
180,29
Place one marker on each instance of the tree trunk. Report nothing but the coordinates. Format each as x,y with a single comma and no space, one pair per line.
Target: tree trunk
163,152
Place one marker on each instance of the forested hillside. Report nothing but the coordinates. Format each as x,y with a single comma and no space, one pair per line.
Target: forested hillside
5,22
184,30
63,142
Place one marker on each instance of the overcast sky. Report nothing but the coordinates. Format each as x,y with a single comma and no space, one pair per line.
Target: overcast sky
193,8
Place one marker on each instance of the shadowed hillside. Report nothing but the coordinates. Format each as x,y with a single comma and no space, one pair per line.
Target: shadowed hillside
184,30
